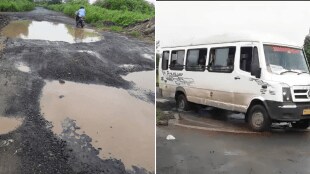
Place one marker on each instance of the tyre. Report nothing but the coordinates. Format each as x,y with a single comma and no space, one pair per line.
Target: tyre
182,103
303,124
258,118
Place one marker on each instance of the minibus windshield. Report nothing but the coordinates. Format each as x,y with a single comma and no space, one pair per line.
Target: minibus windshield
281,60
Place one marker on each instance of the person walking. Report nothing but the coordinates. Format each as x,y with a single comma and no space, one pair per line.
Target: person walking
81,13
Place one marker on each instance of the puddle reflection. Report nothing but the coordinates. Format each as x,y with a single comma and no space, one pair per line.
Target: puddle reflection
110,116
49,31
22,67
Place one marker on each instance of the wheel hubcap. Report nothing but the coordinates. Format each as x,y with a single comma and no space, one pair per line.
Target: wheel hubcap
181,104
258,119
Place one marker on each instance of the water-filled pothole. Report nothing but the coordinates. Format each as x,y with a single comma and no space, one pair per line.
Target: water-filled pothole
22,67
9,124
51,31
139,79
120,124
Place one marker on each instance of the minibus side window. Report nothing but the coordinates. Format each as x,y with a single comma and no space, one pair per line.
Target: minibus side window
164,64
177,60
246,58
196,59
222,59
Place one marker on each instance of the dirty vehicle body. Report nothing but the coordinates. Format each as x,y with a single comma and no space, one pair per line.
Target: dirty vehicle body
267,79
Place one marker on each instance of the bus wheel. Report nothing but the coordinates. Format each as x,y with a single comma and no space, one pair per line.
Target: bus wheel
303,124
182,103
258,118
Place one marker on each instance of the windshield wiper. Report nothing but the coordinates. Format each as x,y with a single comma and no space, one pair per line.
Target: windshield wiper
303,72
287,71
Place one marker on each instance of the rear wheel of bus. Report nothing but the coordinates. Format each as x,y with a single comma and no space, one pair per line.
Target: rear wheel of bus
258,118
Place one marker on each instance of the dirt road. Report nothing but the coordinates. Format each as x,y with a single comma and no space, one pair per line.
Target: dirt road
218,142
59,92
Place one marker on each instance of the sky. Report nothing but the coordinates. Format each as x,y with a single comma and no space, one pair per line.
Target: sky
179,21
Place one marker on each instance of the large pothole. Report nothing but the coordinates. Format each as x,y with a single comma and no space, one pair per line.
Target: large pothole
50,31
118,123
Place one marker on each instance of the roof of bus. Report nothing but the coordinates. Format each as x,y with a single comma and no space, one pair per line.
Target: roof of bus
236,37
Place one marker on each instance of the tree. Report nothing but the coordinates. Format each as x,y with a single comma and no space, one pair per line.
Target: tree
307,47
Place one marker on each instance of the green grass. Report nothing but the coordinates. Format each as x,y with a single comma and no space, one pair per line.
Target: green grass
307,48
159,115
127,5
116,28
134,34
96,15
16,5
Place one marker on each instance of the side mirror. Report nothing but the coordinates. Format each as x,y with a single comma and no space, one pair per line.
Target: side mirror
256,72
255,69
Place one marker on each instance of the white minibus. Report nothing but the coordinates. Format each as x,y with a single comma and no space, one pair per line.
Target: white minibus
266,79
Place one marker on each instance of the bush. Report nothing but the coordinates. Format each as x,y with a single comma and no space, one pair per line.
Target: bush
127,5
96,14
307,47
16,5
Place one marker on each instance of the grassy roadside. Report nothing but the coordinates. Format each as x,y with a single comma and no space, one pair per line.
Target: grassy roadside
16,5
103,18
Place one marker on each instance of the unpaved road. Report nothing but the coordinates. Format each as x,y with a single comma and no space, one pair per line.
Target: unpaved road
59,92
216,142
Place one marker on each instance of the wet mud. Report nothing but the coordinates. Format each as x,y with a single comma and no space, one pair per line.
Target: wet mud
210,140
96,111
27,66
9,124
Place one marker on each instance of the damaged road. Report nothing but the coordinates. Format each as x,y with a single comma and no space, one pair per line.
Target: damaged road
210,140
38,80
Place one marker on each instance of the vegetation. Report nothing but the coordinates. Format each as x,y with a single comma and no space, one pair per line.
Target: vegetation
159,115
16,5
157,64
307,47
127,5
97,15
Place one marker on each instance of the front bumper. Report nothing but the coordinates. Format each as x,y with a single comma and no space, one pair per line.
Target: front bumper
284,111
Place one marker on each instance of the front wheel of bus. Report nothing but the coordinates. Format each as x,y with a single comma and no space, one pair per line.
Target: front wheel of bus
182,103
258,118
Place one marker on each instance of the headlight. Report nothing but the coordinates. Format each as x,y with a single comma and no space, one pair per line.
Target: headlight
286,92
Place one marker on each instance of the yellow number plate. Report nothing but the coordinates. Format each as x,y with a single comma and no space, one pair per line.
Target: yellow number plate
306,112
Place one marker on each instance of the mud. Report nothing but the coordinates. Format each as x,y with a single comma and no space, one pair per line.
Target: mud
34,147
95,109
9,124
35,30
143,79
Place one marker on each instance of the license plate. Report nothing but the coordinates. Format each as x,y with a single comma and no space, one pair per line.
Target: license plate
306,112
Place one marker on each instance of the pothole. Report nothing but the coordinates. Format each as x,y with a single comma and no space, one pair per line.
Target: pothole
9,124
22,67
143,79
148,56
110,116
50,31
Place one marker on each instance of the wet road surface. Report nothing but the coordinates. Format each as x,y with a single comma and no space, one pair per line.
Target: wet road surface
216,141
68,98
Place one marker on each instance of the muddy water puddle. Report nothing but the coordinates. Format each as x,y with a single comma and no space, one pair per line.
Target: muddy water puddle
117,122
22,67
143,79
9,124
50,31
